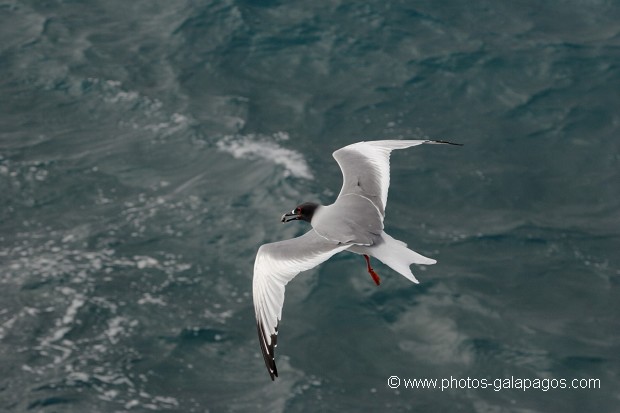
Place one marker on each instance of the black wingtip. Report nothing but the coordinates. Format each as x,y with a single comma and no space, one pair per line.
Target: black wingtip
446,142
268,350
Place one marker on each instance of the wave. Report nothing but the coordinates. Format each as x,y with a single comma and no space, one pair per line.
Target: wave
256,146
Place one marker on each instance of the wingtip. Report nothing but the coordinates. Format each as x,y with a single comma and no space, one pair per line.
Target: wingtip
445,142
268,350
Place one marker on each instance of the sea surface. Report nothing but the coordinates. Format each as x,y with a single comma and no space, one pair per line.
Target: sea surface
149,147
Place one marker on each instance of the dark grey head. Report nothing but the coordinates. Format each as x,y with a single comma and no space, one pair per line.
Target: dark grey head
303,212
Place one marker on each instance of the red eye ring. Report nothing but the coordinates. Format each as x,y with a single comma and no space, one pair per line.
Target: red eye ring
298,210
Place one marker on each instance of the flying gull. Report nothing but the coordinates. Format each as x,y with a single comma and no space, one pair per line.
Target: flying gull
354,222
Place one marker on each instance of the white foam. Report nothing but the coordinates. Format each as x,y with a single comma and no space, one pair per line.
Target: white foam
149,299
76,304
166,400
145,262
7,325
115,329
254,146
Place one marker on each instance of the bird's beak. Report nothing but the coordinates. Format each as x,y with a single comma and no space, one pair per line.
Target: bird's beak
287,217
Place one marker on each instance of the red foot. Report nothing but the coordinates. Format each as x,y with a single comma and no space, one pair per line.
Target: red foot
372,272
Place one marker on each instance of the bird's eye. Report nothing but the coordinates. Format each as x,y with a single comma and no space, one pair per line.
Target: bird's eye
298,210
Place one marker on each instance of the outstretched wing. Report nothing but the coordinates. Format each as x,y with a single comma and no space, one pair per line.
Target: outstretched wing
366,168
276,264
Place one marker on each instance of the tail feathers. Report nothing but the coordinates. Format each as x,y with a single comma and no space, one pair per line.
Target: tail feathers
396,255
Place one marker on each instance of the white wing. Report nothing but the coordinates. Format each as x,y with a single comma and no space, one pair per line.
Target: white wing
276,264
366,168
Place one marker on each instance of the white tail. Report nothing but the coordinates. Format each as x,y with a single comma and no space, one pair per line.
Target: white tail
396,255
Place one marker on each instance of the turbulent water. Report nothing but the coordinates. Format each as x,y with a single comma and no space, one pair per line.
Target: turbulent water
148,148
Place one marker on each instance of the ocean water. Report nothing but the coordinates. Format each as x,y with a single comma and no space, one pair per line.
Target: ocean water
148,148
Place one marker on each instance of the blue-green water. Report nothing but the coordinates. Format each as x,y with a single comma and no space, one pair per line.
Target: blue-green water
147,148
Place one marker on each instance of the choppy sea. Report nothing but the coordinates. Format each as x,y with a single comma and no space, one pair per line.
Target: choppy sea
149,147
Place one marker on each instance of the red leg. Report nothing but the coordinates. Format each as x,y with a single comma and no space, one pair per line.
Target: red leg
372,272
